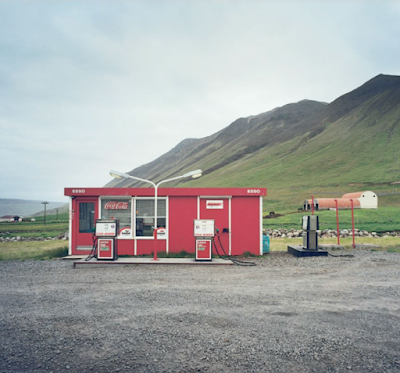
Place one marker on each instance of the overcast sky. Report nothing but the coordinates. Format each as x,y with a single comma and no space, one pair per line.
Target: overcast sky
89,86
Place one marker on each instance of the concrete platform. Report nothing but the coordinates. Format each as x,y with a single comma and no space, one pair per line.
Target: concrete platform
160,261
74,257
301,251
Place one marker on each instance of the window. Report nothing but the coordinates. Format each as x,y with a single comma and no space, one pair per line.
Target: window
116,208
86,217
145,216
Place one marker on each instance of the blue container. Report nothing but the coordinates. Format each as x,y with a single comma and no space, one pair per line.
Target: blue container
265,244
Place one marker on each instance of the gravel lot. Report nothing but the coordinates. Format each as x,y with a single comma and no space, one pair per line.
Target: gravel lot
287,314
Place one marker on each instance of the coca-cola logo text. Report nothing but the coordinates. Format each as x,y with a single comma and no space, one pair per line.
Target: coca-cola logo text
114,205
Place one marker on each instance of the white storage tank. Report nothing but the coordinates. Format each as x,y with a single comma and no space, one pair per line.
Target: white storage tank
368,199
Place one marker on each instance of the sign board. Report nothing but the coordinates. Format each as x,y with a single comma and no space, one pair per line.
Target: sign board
203,249
116,205
125,232
305,222
105,248
204,228
106,228
215,204
161,233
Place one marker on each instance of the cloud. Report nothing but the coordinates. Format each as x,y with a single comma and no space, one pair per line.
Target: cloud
89,86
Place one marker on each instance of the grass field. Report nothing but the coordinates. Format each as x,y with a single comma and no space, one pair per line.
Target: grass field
61,217
33,229
391,244
38,250
33,250
383,219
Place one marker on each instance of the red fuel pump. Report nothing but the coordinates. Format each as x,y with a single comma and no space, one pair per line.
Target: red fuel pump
106,231
204,232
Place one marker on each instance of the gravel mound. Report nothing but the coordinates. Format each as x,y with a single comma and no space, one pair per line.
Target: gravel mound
287,314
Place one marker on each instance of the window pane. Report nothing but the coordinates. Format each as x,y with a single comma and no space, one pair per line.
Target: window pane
145,216
86,217
161,222
145,207
118,209
161,208
144,227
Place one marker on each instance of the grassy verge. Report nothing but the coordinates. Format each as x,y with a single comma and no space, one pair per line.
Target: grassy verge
33,226
33,250
391,244
43,234
383,219
32,229
182,254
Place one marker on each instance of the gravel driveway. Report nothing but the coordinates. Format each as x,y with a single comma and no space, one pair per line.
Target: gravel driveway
287,314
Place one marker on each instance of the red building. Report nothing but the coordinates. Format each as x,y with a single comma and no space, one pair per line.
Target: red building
237,213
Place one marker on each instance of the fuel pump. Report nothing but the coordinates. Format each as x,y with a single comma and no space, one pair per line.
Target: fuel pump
310,236
106,231
310,225
204,232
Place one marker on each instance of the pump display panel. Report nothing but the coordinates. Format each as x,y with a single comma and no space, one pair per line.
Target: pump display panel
106,228
204,228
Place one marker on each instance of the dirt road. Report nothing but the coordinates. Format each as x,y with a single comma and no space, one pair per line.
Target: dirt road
286,314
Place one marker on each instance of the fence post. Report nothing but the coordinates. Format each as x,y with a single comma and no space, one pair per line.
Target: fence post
312,205
352,221
337,223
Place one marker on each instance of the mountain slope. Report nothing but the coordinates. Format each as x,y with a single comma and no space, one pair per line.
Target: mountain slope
299,148
243,137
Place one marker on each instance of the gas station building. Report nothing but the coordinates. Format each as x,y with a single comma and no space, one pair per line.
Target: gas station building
237,213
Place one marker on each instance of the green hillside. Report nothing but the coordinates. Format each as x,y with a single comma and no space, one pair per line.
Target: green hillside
302,149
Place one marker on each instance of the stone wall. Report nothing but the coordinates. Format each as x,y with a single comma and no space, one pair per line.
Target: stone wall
62,236
327,233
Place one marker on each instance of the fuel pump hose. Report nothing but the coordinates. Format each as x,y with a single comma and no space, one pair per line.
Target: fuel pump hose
229,257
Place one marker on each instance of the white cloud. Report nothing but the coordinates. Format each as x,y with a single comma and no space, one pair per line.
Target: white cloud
89,86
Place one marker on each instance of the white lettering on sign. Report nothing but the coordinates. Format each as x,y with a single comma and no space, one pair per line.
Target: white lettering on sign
78,191
114,205
253,191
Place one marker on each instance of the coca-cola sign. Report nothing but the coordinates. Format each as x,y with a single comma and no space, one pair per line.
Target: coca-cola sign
116,205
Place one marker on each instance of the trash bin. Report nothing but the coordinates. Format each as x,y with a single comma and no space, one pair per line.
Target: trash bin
265,244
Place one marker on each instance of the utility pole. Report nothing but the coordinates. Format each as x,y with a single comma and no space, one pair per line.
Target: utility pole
45,203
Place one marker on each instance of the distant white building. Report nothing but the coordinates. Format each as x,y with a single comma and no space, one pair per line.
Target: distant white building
10,218
368,199
361,200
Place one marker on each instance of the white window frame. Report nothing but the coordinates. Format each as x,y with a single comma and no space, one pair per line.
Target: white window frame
166,218
123,198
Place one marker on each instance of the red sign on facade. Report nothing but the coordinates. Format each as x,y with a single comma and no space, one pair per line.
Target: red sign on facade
215,204
115,205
